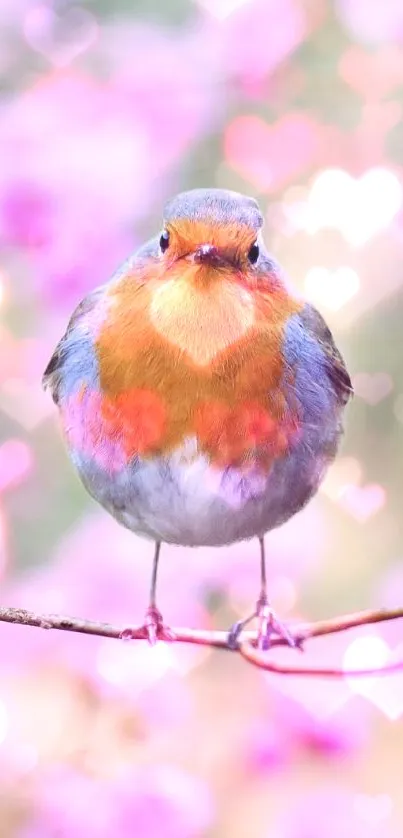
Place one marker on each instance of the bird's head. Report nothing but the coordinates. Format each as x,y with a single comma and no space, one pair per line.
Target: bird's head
209,282
212,233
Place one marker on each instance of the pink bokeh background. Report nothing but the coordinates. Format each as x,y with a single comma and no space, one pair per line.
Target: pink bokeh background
105,112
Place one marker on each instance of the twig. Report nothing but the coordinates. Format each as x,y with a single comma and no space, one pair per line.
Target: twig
219,639
251,654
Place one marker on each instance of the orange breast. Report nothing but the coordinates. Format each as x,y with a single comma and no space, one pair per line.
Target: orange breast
213,359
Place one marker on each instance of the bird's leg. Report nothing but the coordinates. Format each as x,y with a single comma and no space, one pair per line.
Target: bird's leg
153,623
154,628
268,623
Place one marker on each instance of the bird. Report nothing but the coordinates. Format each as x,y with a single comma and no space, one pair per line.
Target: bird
201,398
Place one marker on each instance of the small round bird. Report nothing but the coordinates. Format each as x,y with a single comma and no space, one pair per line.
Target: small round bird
201,400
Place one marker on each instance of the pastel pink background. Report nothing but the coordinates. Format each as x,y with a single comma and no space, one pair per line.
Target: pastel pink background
106,110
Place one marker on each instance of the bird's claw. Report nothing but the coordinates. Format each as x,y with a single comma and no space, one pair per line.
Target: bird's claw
268,626
153,628
235,633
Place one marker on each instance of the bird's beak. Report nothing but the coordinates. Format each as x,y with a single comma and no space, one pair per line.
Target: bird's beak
209,255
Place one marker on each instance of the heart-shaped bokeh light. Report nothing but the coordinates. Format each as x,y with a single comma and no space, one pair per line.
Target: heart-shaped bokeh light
269,156
359,208
331,289
60,36
385,693
362,502
372,388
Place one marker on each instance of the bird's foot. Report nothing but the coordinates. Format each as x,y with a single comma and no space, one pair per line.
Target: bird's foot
268,626
153,628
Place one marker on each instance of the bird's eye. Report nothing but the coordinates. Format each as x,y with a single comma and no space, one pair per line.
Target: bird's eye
253,253
164,240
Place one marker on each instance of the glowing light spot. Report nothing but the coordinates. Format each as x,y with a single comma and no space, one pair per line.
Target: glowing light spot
372,652
362,502
373,808
332,289
221,8
368,652
135,666
344,473
358,208
283,594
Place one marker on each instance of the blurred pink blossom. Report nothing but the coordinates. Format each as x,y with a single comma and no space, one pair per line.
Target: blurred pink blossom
102,572
176,98
83,160
266,749
162,800
75,162
249,45
289,731
334,811
27,213
335,735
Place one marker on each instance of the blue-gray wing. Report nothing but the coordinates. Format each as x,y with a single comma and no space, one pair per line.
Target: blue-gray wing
74,355
335,366
71,353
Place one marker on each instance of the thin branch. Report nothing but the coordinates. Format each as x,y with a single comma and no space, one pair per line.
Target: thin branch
219,639
252,655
